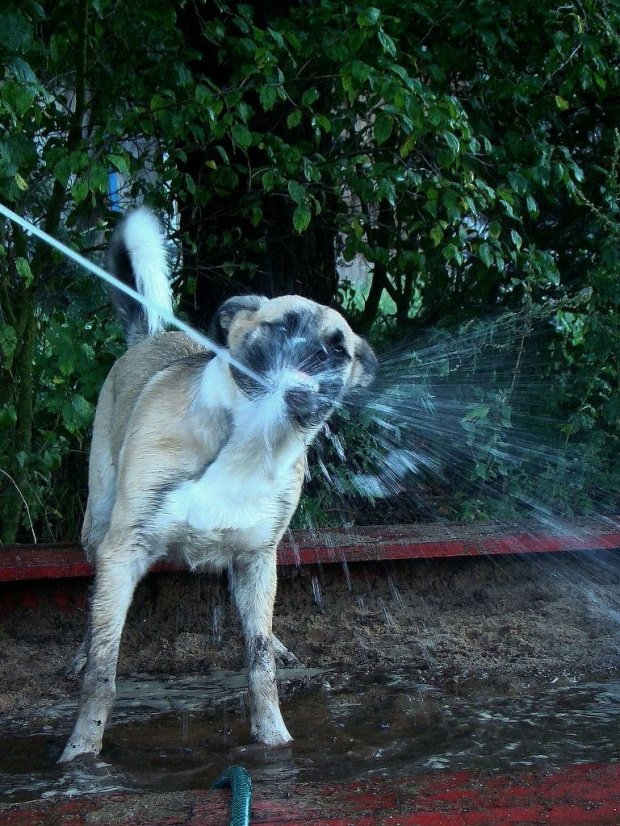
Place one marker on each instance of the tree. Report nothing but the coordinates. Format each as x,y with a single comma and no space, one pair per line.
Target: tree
462,150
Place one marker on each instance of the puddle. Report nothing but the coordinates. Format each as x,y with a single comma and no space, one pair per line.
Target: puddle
178,733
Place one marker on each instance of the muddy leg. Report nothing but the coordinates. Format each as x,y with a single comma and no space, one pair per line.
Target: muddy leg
119,570
254,592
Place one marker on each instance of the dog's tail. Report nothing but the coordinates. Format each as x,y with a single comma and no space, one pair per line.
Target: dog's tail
137,256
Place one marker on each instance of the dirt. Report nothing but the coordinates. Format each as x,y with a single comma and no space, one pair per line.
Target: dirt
504,624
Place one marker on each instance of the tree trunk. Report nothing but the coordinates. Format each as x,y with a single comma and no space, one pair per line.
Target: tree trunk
270,258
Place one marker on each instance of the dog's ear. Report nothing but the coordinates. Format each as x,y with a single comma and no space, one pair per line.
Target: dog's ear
364,364
224,317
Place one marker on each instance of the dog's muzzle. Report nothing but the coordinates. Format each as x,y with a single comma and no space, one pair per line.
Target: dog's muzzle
297,369
302,396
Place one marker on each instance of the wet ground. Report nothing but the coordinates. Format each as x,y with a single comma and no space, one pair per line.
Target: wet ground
177,734
487,664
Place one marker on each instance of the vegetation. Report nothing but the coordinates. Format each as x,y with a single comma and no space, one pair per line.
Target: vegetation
466,151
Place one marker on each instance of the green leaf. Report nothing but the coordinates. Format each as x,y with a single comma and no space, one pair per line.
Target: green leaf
294,119
23,268
361,71
408,145
368,17
386,190
450,251
532,206
267,97
268,181
98,178
452,141
486,255
383,127
62,171
518,182
256,215
436,234
157,103
480,411
8,416
516,239
309,97
321,122
301,217
297,191
8,343
241,135
203,95
119,162
79,190
16,29
387,43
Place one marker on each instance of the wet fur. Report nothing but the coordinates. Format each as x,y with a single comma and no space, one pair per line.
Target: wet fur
193,460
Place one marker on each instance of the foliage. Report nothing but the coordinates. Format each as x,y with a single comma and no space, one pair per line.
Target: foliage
465,151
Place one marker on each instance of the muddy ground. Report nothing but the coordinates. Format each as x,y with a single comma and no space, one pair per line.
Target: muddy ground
506,624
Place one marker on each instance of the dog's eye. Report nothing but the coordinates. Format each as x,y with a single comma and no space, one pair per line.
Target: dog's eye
336,346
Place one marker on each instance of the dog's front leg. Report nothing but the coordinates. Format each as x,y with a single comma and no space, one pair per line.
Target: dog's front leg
254,591
119,569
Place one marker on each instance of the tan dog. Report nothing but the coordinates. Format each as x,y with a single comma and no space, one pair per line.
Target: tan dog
194,459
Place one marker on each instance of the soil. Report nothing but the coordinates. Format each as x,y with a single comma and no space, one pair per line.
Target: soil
506,624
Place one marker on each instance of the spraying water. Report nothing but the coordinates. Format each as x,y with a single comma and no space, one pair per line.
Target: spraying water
465,425
470,417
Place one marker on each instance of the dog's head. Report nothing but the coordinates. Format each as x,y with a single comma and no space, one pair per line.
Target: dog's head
307,354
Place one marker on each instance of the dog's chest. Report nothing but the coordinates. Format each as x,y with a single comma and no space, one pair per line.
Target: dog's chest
232,497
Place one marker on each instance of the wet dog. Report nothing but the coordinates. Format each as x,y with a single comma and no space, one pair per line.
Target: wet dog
202,460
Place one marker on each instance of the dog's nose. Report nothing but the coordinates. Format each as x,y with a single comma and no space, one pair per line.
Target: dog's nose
303,404
301,395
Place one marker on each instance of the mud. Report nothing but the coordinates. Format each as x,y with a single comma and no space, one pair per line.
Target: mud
507,624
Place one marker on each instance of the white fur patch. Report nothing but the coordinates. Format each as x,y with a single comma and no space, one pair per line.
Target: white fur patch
227,496
145,242
243,488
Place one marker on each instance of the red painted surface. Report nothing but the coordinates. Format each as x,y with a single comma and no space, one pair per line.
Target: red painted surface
585,795
372,544
375,544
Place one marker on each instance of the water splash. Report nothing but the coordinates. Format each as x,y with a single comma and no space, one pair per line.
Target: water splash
217,614
461,425
316,591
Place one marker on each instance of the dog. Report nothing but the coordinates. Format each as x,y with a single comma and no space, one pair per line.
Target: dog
200,457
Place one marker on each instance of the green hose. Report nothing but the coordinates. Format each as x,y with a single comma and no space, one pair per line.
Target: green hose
240,794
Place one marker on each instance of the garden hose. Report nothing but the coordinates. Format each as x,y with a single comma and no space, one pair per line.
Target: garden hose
240,794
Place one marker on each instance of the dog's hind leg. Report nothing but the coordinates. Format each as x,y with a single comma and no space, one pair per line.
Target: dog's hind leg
120,566
282,654
76,666
254,590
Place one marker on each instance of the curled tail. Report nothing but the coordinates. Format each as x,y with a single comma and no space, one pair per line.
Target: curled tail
137,256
